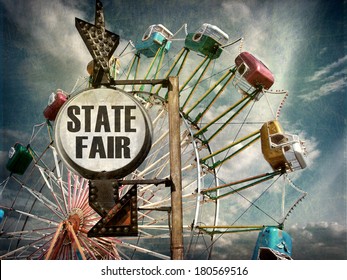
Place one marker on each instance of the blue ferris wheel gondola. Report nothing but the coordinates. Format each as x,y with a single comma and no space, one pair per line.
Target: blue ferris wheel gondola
273,244
155,37
2,213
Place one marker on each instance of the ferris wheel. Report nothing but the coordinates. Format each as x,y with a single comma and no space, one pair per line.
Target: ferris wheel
235,155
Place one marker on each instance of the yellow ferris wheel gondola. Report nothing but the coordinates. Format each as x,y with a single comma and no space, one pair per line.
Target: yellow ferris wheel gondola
281,150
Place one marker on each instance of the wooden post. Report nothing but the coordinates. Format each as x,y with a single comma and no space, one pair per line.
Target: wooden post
175,170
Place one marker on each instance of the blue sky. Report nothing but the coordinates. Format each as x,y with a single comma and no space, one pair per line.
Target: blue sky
303,42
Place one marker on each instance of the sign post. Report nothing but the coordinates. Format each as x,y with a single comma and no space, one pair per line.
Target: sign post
175,170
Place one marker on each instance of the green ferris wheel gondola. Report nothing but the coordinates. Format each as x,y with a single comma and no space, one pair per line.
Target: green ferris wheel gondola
207,40
19,159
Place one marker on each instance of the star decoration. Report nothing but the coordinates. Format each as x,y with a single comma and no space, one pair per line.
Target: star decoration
100,42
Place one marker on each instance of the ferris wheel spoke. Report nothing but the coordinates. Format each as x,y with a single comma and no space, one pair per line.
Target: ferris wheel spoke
142,215
163,202
84,200
24,233
165,165
162,141
48,184
253,203
36,217
165,197
75,239
244,142
79,194
161,169
159,116
242,104
155,155
229,72
143,250
159,219
69,189
156,233
39,251
24,248
88,249
59,177
10,253
251,181
97,246
162,163
206,61
82,194
156,60
37,194
75,188
41,198
183,53
136,58
194,87
154,164
33,240
157,148
54,241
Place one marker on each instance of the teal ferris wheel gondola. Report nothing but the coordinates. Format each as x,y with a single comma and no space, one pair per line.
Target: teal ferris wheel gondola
155,37
273,244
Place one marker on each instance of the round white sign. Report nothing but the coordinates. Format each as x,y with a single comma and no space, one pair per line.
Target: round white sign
103,133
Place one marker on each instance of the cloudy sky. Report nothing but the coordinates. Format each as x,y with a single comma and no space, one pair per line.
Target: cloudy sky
303,41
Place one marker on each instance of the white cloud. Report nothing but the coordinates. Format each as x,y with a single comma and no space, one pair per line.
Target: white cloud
51,27
328,69
53,48
321,240
237,11
325,89
327,80
323,51
10,135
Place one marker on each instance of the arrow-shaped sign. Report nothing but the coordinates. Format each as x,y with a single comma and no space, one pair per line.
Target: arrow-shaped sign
118,215
100,42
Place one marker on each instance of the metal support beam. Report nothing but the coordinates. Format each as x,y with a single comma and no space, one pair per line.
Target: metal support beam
175,170
152,82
